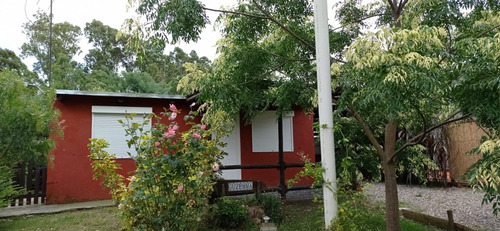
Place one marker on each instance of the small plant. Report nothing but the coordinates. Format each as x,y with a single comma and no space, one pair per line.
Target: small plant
352,206
229,213
270,204
311,170
272,208
351,202
8,189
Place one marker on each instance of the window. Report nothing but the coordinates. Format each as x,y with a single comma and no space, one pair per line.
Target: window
105,125
265,132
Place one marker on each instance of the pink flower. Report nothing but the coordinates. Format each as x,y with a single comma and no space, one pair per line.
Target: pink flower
204,127
169,134
175,127
180,188
172,116
173,108
196,135
215,167
193,104
157,143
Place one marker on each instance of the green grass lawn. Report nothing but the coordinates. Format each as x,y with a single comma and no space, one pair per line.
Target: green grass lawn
305,216
92,219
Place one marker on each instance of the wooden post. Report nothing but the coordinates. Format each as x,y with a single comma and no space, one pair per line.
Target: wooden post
451,222
44,183
281,159
258,191
30,181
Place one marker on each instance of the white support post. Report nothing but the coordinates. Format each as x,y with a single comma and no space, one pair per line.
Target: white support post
325,110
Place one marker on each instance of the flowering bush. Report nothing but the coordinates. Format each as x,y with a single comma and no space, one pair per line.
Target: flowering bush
174,175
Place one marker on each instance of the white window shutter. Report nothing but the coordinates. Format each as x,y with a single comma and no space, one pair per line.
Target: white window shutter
265,132
105,125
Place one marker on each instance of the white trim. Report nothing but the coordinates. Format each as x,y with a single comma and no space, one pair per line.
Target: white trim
118,94
233,150
122,110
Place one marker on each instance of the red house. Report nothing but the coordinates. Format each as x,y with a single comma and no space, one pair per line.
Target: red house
85,115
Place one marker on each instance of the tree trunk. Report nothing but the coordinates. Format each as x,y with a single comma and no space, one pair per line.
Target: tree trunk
391,187
391,198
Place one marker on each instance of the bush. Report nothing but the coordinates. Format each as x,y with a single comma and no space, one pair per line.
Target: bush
173,178
28,123
230,213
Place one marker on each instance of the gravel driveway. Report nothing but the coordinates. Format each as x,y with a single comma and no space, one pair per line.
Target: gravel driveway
465,204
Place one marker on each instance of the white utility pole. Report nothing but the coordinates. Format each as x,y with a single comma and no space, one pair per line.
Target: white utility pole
325,110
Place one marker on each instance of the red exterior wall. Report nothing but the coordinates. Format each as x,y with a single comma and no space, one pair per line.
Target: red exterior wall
303,142
70,177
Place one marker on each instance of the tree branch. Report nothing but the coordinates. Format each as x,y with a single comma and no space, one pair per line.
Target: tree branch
368,132
425,124
275,68
288,58
267,16
236,13
486,31
360,20
291,59
402,4
393,7
478,36
488,134
6,149
303,41
449,48
414,141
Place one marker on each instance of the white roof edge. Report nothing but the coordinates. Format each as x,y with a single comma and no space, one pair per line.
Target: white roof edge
118,94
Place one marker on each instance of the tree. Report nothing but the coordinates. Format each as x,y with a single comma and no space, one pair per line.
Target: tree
109,49
68,74
153,72
167,69
396,80
261,62
65,38
141,82
406,73
10,61
26,122
104,62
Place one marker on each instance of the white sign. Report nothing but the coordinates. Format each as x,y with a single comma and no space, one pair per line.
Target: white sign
240,186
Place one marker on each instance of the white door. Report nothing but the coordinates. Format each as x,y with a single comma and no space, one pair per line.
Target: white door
233,151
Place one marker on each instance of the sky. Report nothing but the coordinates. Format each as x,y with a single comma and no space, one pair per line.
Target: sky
13,13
